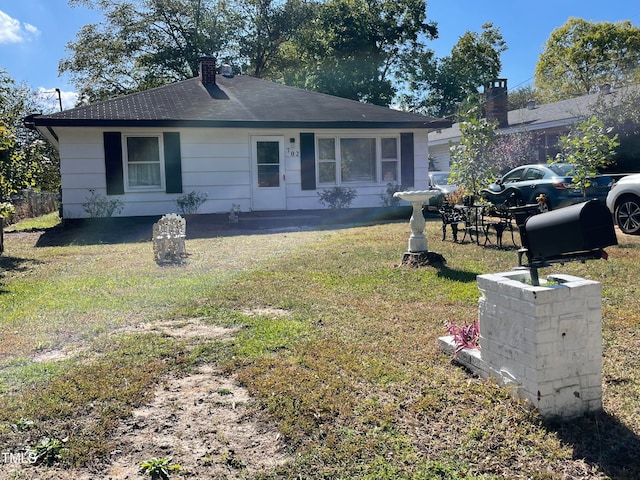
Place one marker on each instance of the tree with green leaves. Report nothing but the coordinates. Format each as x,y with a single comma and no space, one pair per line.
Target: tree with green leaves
357,50
347,48
147,43
521,96
269,32
581,56
26,161
620,110
448,81
589,147
472,164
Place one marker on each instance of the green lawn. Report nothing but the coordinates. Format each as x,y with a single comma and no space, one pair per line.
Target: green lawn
352,375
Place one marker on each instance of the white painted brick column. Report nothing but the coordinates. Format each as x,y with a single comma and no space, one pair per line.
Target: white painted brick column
545,340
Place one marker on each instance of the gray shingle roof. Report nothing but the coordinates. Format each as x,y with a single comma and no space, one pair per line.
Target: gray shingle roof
564,110
562,113
238,101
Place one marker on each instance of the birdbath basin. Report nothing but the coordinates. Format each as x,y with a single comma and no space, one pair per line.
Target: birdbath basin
417,240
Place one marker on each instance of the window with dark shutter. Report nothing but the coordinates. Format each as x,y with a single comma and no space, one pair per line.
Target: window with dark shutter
142,163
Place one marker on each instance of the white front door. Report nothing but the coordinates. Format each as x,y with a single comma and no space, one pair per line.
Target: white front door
268,173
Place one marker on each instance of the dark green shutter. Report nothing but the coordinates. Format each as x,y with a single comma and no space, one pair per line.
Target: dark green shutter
172,162
113,163
407,178
308,161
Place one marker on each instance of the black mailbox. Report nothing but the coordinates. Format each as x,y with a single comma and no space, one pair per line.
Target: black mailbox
583,229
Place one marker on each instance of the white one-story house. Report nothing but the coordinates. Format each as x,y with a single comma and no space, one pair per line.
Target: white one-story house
237,139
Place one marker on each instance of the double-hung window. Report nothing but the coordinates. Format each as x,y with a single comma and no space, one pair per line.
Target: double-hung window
389,149
142,162
327,160
358,160
344,160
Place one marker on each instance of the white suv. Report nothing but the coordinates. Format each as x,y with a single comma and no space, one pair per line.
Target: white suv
623,201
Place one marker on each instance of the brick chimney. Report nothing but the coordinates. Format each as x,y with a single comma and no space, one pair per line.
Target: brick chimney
208,70
496,101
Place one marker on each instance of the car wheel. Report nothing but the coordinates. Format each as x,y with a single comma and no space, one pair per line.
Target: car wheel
627,214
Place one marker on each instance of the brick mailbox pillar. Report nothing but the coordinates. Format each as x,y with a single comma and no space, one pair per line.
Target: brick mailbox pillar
545,341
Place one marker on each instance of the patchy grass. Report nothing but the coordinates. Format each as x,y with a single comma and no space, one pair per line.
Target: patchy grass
335,341
38,223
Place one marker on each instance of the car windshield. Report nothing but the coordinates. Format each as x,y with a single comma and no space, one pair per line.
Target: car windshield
561,169
440,178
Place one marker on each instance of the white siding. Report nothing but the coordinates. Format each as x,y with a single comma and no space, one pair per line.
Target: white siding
441,156
216,162
421,154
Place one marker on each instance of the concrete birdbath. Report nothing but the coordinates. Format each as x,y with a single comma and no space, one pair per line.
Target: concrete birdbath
418,248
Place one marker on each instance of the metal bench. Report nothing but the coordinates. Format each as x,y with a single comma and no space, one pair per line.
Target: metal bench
500,219
455,217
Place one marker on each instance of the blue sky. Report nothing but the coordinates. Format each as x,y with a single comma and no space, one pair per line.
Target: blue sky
34,33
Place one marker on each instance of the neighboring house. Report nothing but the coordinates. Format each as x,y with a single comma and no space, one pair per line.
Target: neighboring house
549,122
240,140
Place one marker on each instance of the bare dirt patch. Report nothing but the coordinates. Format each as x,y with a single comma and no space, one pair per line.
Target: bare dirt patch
57,355
267,311
187,329
204,421
192,328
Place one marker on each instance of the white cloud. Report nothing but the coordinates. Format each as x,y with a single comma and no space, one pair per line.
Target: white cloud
50,98
69,99
32,29
9,29
14,31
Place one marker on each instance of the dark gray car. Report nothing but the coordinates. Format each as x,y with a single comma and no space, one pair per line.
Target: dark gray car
524,184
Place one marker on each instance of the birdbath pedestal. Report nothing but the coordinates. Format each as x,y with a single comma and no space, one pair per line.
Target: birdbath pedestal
417,241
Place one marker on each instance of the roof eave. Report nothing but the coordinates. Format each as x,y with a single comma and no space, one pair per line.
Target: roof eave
170,123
